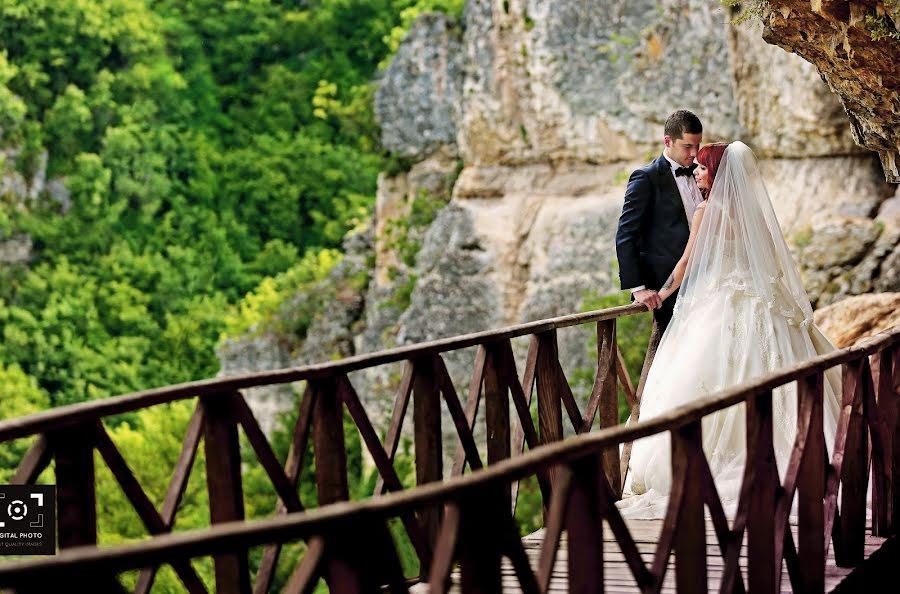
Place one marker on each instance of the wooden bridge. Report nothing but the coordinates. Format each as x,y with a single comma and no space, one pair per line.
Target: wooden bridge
463,529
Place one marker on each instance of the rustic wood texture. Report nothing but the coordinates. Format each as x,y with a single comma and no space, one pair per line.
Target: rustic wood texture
761,532
225,487
549,393
64,416
811,511
468,520
36,459
620,580
76,498
855,470
428,441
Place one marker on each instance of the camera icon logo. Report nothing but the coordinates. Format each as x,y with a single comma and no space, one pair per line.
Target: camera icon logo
17,510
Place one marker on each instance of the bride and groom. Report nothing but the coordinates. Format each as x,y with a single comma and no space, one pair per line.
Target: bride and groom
699,244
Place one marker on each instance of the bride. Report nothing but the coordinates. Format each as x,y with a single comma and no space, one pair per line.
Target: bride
741,312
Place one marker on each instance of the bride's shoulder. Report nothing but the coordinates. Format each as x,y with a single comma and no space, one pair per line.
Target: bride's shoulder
702,205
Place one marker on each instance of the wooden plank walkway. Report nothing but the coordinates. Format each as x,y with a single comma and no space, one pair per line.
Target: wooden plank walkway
618,577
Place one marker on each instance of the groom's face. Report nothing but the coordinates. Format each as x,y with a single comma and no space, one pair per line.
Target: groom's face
684,149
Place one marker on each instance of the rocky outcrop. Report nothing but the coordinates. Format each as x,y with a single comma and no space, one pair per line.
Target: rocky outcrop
554,90
15,250
336,304
852,320
546,107
781,104
587,81
419,97
840,256
22,191
851,45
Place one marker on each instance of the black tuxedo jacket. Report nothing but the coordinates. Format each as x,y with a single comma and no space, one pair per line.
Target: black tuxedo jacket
653,229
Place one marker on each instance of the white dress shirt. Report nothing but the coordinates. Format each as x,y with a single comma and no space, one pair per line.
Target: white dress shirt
687,187
690,197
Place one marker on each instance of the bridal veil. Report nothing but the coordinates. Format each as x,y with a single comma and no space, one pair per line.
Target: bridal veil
741,312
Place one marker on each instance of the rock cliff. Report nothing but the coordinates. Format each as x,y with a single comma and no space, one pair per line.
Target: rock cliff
529,115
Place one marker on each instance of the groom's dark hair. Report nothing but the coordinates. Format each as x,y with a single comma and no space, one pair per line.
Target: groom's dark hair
683,122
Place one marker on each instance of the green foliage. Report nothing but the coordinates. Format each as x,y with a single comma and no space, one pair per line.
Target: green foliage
215,154
206,147
12,108
746,9
802,237
410,11
19,396
881,27
529,22
210,150
402,234
260,308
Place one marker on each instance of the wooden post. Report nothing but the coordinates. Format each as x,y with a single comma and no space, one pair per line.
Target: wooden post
761,563
496,406
223,479
480,546
330,455
881,410
609,399
329,450
811,486
690,533
76,499
428,441
854,473
549,394
584,525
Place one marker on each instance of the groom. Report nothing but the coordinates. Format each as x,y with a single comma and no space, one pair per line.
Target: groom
659,203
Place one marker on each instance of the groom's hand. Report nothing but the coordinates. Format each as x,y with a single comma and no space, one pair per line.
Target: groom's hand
648,297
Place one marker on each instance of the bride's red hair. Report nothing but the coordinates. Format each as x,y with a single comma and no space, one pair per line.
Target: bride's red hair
710,156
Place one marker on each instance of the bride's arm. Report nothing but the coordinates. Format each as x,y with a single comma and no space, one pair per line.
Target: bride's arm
677,275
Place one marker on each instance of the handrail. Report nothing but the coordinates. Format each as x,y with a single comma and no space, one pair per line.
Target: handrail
70,437
63,416
221,537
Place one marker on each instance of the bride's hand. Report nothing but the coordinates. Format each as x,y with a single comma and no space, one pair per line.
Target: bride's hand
664,294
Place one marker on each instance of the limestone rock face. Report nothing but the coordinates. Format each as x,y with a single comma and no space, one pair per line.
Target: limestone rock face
854,319
782,104
261,352
15,250
837,38
587,80
808,189
431,179
533,113
419,97
841,256
549,232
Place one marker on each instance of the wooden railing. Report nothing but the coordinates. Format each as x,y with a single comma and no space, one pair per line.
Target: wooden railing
69,436
349,544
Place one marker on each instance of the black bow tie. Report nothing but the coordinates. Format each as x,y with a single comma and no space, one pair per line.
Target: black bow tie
685,170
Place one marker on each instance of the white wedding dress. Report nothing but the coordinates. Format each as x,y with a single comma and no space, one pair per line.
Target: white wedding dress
741,312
